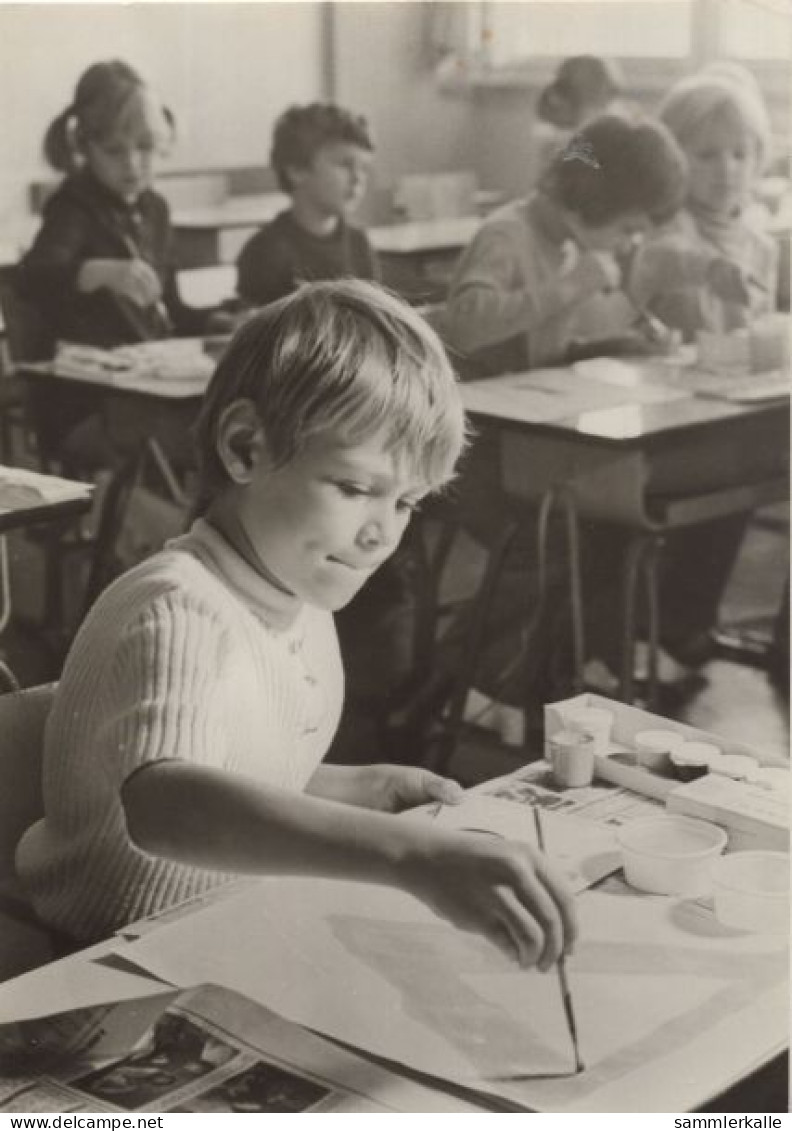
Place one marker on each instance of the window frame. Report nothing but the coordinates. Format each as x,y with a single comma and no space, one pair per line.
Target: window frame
643,74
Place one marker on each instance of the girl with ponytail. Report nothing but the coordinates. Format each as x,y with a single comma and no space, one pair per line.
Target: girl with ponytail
100,270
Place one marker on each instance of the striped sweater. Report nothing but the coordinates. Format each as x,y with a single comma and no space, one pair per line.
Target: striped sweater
191,655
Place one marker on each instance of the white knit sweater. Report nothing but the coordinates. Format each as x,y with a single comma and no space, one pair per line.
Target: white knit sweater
192,655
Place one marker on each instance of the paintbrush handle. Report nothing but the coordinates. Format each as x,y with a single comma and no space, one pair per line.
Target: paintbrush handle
563,981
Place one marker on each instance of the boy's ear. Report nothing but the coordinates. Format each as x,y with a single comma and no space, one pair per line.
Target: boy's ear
241,443
295,174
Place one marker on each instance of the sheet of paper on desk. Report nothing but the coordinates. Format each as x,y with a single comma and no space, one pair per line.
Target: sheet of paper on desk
546,395
584,850
374,969
172,359
20,488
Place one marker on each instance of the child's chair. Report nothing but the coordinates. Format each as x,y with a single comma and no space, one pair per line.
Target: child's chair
24,943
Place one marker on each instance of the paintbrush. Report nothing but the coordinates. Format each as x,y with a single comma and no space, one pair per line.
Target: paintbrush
166,325
566,993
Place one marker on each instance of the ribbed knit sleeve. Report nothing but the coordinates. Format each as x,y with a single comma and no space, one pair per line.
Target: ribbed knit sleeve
163,695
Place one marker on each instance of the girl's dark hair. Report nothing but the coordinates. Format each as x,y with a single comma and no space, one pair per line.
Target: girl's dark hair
583,86
102,93
302,130
616,165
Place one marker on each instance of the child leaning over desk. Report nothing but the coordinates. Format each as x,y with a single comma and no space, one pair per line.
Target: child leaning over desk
539,271
201,694
714,267
321,155
100,270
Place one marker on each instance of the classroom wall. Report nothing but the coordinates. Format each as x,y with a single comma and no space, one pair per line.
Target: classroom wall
384,66
201,56
501,119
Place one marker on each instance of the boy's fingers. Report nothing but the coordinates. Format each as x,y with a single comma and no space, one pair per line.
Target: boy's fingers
442,789
537,904
526,935
563,900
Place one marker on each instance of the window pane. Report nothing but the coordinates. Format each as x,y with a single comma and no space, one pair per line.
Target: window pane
613,28
756,30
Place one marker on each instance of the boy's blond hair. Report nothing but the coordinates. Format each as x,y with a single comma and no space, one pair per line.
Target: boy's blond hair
693,103
345,357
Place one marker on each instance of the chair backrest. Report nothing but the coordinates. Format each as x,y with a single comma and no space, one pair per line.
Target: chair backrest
22,718
26,333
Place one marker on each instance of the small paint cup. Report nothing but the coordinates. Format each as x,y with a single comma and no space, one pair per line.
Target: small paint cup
751,891
653,748
670,855
692,760
571,757
596,721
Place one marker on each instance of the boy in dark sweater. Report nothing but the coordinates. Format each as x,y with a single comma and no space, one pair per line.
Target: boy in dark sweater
321,155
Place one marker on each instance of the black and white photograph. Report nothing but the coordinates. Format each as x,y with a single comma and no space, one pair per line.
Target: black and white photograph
394,557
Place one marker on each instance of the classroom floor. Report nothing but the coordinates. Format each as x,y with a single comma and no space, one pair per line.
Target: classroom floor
737,700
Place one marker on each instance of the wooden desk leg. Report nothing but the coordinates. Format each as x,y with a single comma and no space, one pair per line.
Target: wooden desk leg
5,585
567,500
650,563
640,566
463,681
631,572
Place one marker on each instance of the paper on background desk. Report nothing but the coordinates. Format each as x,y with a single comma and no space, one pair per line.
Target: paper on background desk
375,969
547,395
170,359
20,489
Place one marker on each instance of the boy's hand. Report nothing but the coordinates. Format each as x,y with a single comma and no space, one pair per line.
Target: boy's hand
728,282
132,279
394,788
506,890
387,788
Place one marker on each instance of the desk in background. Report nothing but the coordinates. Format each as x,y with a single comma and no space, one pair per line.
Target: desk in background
414,253
214,233
159,410
649,458
418,257
28,498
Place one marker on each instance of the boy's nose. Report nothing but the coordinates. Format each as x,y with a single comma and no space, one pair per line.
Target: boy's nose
381,533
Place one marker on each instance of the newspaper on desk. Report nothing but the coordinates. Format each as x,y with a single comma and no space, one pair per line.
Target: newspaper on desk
206,1050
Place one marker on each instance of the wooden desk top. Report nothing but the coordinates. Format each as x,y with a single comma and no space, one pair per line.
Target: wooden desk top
561,402
123,383
424,237
234,212
29,497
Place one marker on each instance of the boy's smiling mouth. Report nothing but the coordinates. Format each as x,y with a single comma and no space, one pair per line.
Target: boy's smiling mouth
367,568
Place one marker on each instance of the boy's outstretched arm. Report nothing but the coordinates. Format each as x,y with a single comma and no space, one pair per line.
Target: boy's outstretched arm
208,818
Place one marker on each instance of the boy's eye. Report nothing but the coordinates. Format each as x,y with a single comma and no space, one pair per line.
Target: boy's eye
411,505
352,490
